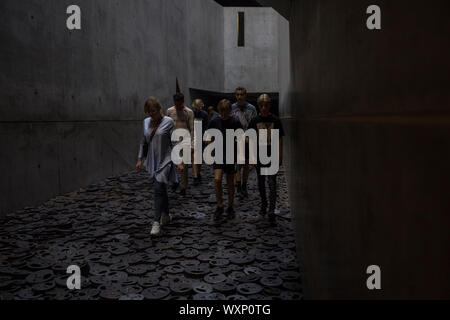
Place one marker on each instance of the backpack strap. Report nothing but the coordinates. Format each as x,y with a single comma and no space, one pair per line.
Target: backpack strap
154,130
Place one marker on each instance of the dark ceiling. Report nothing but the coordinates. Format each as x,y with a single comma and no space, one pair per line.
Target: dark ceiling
238,3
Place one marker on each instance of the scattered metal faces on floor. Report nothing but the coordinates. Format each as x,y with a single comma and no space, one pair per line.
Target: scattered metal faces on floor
105,230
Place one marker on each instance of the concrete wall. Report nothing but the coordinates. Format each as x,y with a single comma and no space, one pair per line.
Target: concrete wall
283,7
254,66
72,101
284,64
205,45
369,147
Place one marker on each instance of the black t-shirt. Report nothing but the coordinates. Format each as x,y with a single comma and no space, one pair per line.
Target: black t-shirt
232,123
212,116
269,123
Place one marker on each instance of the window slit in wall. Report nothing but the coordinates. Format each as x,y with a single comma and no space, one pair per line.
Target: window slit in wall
241,29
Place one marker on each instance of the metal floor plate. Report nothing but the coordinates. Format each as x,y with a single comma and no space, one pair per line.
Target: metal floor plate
105,230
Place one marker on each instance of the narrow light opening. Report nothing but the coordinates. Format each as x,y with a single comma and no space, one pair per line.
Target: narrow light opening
241,29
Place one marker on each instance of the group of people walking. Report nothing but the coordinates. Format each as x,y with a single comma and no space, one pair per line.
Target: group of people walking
156,149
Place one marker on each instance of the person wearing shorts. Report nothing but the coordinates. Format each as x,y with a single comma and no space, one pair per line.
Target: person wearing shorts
222,123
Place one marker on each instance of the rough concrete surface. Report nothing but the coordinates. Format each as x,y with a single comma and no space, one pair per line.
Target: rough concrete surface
368,143
72,101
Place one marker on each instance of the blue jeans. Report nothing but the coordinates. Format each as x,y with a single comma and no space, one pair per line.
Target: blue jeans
161,200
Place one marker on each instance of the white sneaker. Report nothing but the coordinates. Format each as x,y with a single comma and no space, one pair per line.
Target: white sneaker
165,219
156,229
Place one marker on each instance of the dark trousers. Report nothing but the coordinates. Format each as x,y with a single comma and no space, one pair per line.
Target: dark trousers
272,190
161,200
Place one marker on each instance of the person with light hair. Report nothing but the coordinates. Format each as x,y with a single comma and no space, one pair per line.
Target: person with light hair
267,121
155,156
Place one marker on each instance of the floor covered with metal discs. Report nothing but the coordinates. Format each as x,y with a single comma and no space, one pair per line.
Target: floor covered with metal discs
105,230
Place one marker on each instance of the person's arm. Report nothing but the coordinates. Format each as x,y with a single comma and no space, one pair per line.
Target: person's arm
141,149
171,130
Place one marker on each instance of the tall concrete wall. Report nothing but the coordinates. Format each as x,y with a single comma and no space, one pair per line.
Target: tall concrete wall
205,45
369,147
254,66
284,64
72,101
